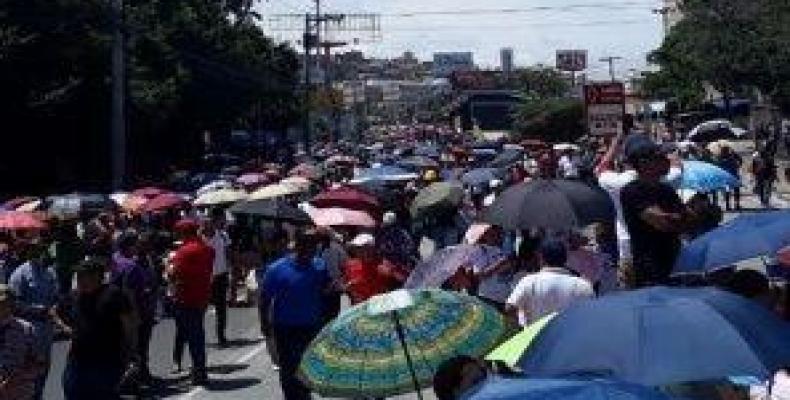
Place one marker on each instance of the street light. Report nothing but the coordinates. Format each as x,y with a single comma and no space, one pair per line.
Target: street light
611,60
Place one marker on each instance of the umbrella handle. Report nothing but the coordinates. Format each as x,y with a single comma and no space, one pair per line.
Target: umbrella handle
402,337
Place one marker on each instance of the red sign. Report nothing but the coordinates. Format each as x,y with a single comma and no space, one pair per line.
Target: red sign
605,108
604,93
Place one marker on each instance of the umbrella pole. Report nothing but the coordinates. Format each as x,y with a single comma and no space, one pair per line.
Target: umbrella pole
402,338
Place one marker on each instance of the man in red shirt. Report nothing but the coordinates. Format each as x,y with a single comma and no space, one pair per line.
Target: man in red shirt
191,274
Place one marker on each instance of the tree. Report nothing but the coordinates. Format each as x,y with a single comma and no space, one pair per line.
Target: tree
546,112
191,68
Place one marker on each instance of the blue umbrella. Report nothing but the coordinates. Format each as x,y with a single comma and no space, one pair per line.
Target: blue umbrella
384,173
747,236
704,177
480,176
662,336
565,389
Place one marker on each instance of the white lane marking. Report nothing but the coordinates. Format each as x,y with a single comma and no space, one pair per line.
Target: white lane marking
241,360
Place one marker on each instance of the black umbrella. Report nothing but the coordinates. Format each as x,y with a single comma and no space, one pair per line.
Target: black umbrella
418,163
272,209
556,204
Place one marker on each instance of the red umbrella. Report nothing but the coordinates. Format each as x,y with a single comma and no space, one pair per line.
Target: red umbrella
17,220
347,197
166,201
149,192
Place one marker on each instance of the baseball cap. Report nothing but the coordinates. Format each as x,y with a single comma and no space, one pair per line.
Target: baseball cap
640,147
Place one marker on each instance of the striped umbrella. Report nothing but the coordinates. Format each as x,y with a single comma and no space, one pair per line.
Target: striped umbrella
20,221
393,343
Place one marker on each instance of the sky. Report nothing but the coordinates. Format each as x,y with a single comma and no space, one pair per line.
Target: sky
535,29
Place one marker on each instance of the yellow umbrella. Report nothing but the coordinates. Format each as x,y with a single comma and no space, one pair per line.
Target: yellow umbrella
274,191
511,351
222,196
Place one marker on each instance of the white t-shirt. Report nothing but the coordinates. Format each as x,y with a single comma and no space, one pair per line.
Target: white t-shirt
220,242
548,291
613,182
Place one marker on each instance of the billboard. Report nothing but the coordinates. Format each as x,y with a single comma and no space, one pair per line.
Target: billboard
571,60
605,108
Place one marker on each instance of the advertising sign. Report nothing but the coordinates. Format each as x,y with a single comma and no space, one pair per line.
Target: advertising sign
605,107
571,60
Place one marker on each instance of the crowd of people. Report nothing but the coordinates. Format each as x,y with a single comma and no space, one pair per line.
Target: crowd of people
104,281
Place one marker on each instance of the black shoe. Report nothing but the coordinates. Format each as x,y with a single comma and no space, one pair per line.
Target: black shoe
200,379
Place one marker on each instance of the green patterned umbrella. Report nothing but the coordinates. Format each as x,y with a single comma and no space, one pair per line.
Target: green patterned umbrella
393,343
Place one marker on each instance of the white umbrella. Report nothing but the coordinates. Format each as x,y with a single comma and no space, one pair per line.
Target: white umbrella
566,147
274,191
717,124
303,184
214,186
223,196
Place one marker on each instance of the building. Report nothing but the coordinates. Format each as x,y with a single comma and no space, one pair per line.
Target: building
445,64
506,59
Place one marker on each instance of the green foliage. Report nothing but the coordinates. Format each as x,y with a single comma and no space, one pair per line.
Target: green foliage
733,45
192,66
542,82
553,120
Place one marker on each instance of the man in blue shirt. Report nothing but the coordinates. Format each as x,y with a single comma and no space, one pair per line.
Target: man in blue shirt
293,292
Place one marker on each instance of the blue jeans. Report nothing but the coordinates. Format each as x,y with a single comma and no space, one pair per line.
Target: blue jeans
91,381
190,325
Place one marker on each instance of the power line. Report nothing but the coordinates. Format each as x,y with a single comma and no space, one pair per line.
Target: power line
570,7
602,24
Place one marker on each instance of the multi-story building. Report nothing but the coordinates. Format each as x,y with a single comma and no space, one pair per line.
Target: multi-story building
445,64
506,59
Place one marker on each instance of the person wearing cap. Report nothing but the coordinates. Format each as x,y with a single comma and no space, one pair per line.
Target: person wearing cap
368,273
293,292
653,213
36,289
553,289
20,362
191,272
103,331
613,181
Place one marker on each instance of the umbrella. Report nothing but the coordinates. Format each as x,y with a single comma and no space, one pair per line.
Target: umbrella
480,176
20,221
15,203
710,131
384,174
418,163
347,197
427,151
133,203
746,237
438,196
308,171
341,159
299,182
716,146
253,179
166,201
223,196
704,177
512,350
214,186
75,205
273,209
341,217
783,256
32,206
662,336
149,192
393,343
436,270
566,147
274,191
558,204
506,159
567,389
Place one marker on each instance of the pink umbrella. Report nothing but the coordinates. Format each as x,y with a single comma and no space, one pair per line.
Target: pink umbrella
149,192
341,217
19,221
166,201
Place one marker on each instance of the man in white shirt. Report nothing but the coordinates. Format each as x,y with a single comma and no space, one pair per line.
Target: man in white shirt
217,237
553,289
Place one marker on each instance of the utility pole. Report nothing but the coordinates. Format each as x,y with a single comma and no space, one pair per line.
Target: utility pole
118,117
664,13
611,60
